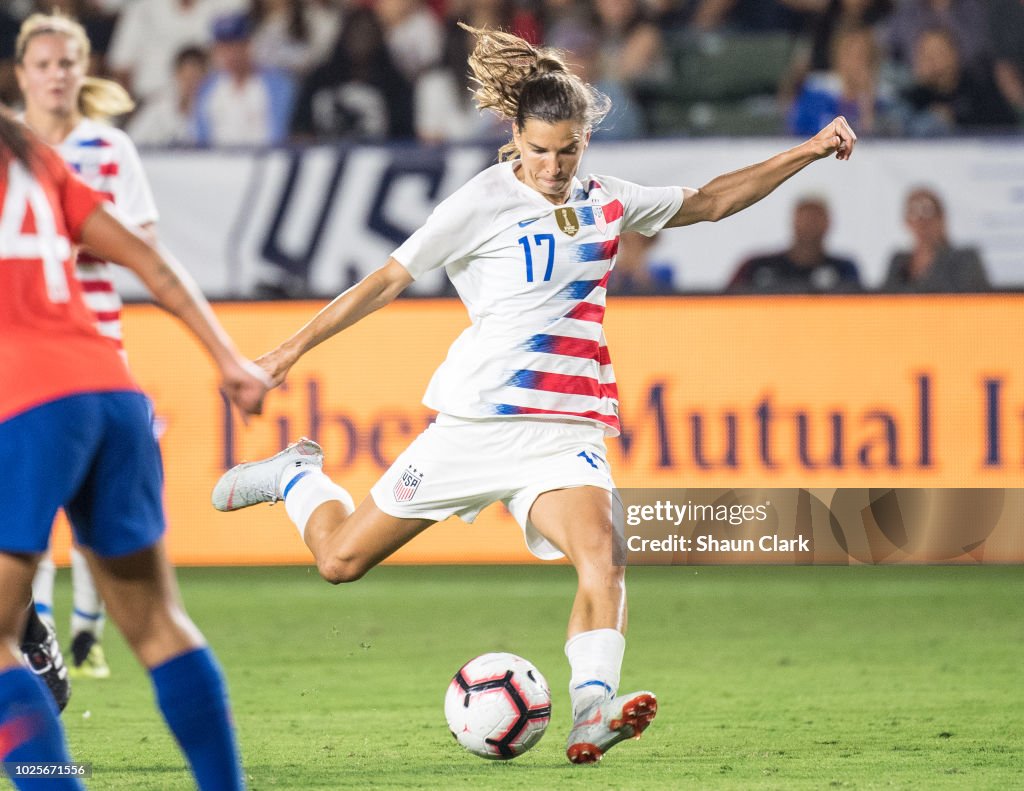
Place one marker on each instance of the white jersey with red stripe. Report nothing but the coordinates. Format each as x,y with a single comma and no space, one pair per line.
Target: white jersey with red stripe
105,158
533,277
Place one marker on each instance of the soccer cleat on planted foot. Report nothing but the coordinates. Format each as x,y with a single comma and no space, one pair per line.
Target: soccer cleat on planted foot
46,661
606,722
87,657
257,481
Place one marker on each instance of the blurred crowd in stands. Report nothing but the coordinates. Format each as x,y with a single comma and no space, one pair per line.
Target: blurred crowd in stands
210,73
255,72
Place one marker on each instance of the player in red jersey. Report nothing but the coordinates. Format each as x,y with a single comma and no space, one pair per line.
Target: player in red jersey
527,392
75,433
70,111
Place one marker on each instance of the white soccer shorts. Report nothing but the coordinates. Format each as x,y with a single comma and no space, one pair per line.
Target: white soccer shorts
459,467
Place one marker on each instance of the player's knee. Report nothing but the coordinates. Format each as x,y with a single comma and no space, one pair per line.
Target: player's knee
337,570
603,575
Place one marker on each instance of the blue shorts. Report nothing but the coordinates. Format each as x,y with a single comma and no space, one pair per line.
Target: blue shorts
93,454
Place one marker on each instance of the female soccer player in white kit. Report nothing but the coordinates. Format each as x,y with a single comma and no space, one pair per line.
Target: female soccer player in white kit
67,109
527,393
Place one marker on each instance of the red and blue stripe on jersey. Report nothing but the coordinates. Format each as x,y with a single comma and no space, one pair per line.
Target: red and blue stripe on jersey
567,371
93,158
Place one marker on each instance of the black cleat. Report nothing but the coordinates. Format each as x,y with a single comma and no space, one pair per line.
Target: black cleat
44,658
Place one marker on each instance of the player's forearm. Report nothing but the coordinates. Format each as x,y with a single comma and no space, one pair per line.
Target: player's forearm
733,192
176,292
373,292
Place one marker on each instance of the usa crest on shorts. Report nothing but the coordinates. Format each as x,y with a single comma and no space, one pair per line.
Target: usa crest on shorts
407,484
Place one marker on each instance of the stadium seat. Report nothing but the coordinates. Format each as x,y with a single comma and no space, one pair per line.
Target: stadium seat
714,90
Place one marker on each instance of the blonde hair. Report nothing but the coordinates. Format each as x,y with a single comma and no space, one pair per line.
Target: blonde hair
98,98
517,81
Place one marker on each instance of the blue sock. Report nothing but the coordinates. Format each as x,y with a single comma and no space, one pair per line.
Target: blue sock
30,727
191,694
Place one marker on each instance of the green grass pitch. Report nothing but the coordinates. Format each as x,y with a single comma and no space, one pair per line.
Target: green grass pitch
768,678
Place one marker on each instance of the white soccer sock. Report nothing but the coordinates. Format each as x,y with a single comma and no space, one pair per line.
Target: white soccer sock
305,488
42,587
87,612
595,659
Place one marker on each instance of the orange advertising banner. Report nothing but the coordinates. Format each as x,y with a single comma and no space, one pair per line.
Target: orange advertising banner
858,391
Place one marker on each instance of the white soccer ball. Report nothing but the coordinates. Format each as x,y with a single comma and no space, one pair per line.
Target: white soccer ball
498,706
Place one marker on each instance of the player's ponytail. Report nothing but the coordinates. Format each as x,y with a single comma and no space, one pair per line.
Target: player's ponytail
98,98
518,81
103,99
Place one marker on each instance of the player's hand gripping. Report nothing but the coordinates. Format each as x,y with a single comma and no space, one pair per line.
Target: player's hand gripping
245,384
838,137
274,366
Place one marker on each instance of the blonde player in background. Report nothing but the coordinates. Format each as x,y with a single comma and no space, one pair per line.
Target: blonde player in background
69,110
527,393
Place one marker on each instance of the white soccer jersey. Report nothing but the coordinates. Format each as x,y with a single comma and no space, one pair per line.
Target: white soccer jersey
533,277
105,158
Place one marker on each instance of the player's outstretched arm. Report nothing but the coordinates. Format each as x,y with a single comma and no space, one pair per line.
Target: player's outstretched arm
373,292
733,192
175,291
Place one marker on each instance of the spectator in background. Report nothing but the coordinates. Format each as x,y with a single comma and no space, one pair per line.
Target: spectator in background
168,118
964,20
413,34
240,104
753,15
149,33
948,97
583,43
358,93
850,88
629,53
443,98
635,273
805,266
842,15
293,35
1006,24
814,54
933,264
561,16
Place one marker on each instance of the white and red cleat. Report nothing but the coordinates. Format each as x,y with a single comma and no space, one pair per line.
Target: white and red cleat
258,481
606,722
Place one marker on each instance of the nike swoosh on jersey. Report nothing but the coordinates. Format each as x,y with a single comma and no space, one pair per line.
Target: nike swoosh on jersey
524,223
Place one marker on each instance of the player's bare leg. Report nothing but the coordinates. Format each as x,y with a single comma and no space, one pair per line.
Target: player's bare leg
346,541
346,544
579,522
142,598
16,572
